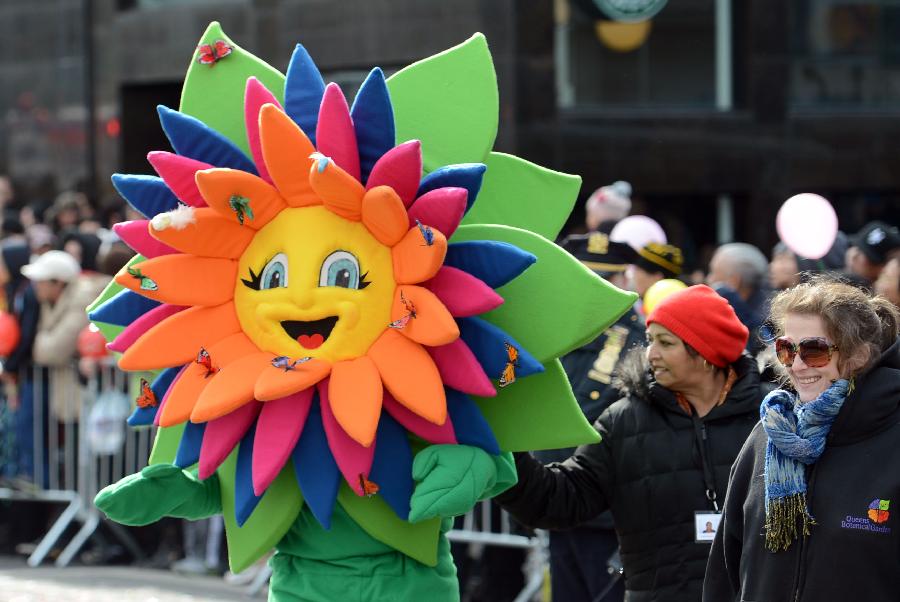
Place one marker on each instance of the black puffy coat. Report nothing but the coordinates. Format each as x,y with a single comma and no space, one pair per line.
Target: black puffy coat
848,555
648,470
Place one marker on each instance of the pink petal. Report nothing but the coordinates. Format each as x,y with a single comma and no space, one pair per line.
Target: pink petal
166,396
462,293
136,235
401,169
178,174
352,458
222,434
255,96
460,369
441,208
335,136
144,323
277,432
417,425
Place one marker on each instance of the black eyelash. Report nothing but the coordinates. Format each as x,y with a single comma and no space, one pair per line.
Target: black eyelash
363,283
255,281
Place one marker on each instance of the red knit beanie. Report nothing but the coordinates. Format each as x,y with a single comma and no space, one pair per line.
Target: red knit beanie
701,318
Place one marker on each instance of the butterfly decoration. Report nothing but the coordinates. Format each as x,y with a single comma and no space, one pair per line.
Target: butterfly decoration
427,233
210,54
284,362
368,487
147,284
410,313
204,360
241,206
147,398
322,161
508,376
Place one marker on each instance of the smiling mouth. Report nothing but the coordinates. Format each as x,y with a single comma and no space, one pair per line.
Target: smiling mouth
312,334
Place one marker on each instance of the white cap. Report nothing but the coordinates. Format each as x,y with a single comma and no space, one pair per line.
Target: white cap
52,265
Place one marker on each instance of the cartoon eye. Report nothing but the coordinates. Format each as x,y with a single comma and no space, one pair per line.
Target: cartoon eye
340,269
274,275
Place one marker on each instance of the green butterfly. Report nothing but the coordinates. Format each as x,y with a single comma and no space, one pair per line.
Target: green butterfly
241,206
147,284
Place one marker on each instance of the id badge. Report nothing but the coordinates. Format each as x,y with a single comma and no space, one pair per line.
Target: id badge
706,523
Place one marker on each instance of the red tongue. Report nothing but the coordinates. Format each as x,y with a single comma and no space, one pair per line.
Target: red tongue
311,341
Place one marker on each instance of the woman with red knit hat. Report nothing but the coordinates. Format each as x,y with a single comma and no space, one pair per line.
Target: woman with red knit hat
691,397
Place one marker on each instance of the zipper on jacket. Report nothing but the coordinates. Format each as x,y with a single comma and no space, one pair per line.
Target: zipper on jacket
801,553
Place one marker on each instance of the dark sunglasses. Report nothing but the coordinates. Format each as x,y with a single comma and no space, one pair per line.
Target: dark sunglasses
814,351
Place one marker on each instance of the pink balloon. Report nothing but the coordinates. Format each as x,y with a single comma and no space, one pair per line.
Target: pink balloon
638,231
807,224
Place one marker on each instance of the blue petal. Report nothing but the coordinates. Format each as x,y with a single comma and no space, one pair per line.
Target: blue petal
492,261
392,467
469,424
303,91
192,138
122,309
245,500
149,195
487,343
142,416
461,175
373,120
315,468
188,452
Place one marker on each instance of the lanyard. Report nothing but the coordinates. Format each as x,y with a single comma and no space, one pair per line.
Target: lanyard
709,475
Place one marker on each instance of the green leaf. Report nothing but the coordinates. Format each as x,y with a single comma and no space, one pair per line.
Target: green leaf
419,541
165,445
271,519
214,94
518,193
538,412
449,102
570,304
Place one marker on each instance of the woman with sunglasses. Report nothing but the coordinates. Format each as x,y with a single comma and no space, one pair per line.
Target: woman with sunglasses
813,506
691,399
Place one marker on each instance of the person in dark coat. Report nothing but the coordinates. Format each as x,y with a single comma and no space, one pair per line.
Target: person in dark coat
576,554
811,512
691,399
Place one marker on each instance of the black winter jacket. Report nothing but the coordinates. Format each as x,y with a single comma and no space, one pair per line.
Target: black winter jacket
848,556
649,471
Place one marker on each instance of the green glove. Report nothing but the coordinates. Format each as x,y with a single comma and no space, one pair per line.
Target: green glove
452,478
159,490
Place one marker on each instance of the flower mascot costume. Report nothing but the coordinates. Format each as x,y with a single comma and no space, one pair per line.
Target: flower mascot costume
349,316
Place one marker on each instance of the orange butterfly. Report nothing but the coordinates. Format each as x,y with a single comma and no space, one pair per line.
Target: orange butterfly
368,487
147,398
508,376
204,360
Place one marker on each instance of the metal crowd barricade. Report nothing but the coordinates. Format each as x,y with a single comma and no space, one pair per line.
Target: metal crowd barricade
68,465
480,529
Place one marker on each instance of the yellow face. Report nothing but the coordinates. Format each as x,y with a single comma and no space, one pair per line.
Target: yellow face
312,284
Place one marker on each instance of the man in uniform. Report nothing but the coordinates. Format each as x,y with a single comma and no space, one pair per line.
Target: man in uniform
584,561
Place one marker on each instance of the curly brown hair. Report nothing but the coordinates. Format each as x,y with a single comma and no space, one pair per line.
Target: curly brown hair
860,326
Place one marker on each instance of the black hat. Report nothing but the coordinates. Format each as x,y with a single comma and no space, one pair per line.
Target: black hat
599,253
656,257
876,240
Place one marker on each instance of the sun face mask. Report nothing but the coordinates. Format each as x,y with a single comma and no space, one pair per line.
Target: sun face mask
322,290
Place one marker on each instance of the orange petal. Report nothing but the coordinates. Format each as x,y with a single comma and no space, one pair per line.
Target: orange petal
414,260
286,151
410,375
355,391
231,387
384,214
433,324
183,279
275,383
210,235
195,378
221,185
341,192
176,340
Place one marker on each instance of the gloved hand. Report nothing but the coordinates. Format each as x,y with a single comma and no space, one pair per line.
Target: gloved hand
452,478
159,490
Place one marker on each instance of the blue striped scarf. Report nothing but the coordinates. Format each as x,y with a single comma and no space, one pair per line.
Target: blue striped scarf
797,433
